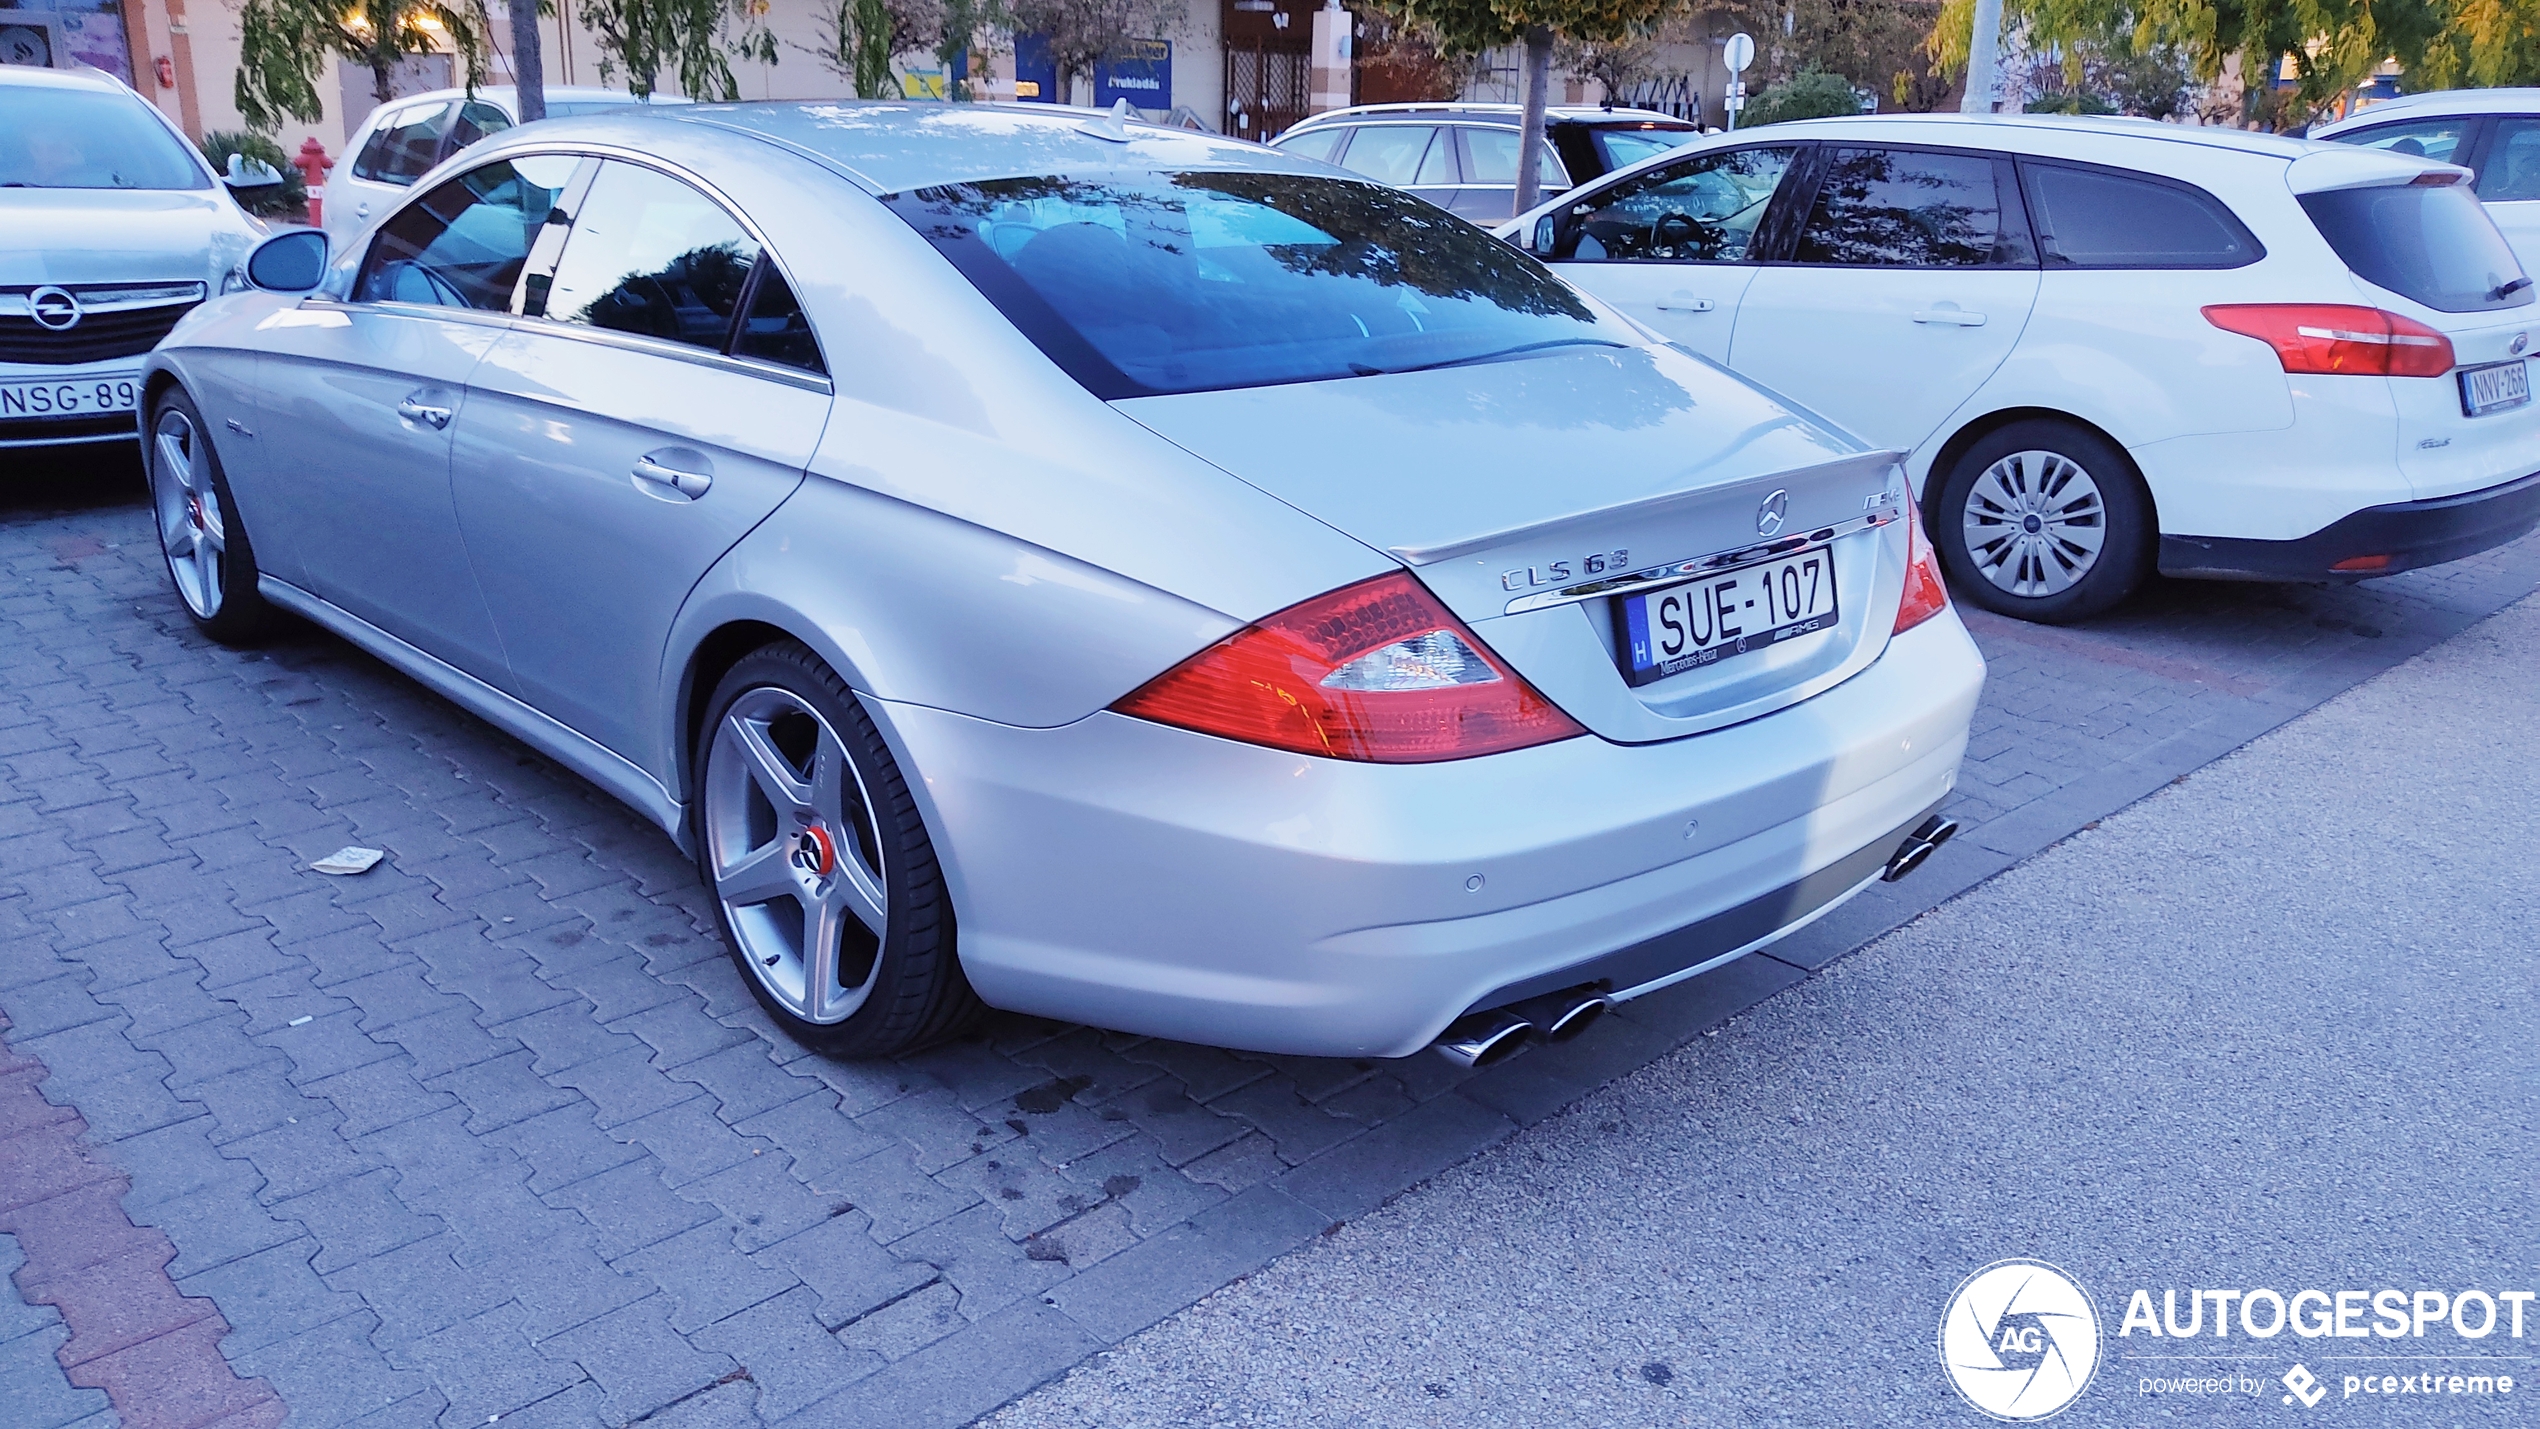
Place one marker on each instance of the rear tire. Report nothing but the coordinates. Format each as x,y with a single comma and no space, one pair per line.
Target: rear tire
825,882
2044,520
208,556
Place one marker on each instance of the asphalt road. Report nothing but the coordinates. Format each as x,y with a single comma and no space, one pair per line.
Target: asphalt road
2273,1026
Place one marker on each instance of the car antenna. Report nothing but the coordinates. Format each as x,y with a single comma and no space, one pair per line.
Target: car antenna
1113,126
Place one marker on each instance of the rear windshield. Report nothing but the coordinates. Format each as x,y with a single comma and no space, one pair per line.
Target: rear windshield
2433,243
1144,283
88,139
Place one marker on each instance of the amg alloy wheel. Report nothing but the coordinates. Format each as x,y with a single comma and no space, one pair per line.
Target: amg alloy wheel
207,553
822,871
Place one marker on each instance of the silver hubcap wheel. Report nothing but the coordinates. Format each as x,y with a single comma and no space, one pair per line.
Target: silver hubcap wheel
191,528
789,834
2035,522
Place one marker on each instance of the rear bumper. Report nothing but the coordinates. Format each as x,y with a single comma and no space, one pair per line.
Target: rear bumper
2376,541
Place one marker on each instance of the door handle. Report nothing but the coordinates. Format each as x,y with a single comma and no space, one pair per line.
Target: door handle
655,467
1681,301
423,413
362,210
1950,316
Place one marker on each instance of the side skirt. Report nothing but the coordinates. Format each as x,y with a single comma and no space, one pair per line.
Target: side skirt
575,751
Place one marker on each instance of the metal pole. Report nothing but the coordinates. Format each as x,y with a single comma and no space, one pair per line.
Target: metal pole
1984,59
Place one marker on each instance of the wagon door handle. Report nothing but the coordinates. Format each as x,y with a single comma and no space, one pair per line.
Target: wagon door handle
422,413
684,471
1950,315
1681,301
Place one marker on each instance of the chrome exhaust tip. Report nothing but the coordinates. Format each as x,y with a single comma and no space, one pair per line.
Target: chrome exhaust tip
1919,846
1483,1039
1580,1015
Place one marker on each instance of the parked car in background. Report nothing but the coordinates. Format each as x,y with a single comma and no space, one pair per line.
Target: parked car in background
112,227
1463,157
2494,133
1131,575
2109,345
403,139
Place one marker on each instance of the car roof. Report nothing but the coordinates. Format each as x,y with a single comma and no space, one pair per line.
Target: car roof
79,77
2243,141
508,96
891,145
1558,114
2439,102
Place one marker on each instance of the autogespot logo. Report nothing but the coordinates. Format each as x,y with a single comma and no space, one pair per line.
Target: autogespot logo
2020,1340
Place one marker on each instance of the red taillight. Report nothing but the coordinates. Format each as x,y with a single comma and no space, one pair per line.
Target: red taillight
1378,671
1925,596
2339,338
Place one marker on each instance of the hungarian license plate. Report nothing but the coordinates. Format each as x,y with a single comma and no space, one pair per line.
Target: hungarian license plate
1685,627
2497,387
86,397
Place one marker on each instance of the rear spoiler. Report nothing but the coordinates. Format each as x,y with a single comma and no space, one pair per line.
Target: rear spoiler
2345,166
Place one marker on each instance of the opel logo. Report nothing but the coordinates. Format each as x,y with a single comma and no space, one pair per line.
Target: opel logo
54,308
1770,516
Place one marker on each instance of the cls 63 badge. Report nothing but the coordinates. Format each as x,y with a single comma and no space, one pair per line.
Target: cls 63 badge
1595,563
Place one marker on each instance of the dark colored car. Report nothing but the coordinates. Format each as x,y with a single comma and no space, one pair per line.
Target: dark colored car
1463,157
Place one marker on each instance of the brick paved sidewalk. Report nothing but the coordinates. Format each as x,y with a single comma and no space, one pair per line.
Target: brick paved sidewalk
495,1129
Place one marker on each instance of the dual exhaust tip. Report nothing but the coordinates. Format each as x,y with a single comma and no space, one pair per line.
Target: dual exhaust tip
1483,1039
1919,845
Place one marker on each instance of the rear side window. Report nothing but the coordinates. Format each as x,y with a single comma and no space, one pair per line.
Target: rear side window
405,145
1491,158
1908,208
2512,171
2091,218
476,120
1389,153
2438,139
2431,243
652,256
776,329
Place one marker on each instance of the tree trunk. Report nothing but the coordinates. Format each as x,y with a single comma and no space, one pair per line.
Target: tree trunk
1530,144
383,78
529,75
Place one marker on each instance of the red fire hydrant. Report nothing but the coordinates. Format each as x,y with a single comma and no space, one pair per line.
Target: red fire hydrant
313,163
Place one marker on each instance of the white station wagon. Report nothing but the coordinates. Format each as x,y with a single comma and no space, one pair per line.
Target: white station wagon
2109,345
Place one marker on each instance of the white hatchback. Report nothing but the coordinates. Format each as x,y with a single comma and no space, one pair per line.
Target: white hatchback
2109,346
2494,133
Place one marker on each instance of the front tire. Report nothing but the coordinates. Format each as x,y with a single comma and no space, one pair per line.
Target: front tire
209,559
2044,520
826,884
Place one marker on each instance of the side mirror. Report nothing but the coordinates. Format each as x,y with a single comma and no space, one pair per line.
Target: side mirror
247,173
1547,230
292,262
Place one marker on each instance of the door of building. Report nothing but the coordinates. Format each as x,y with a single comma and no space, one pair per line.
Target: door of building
1269,65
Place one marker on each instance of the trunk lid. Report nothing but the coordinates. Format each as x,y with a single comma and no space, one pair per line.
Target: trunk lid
1522,492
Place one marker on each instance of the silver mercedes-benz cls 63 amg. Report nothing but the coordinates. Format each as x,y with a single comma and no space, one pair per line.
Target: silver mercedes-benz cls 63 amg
1115,573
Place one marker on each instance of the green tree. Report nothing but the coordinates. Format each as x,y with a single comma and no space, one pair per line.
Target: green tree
283,46
1811,94
696,39
1468,27
291,196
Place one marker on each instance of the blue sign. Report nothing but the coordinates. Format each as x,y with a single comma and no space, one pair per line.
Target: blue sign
1035,73
1139,71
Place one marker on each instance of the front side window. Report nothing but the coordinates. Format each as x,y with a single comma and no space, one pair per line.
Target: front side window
1389,153
2437,139
2512,171
2089,218
1186,282
1313,143
2435,244
652,256
1906,208
405,145
1490,157
1701,210
87,139
462,244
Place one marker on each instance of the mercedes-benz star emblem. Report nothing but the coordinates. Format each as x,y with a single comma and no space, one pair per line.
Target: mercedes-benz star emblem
1770,516
54,308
